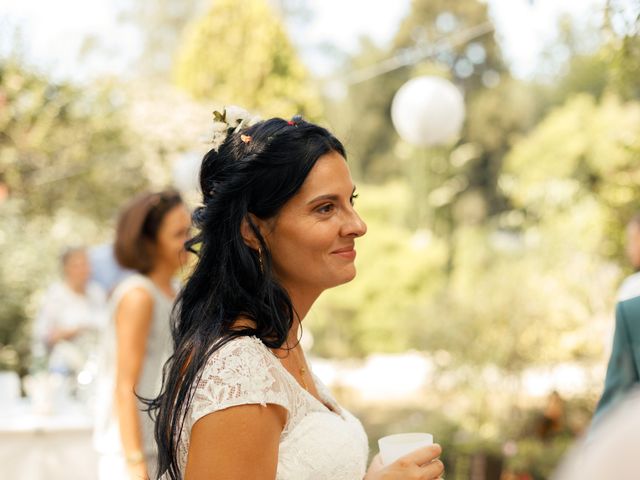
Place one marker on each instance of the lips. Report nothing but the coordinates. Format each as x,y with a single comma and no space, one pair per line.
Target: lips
348,253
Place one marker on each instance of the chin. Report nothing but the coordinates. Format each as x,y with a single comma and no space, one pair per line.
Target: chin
347,277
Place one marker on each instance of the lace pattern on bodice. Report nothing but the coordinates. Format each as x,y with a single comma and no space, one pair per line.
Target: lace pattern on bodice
316,443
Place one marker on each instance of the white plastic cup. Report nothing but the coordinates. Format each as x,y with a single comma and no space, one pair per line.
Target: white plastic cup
392,447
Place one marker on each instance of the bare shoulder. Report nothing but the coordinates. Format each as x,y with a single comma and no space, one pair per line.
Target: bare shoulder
136,302
244,418
246,438
136,296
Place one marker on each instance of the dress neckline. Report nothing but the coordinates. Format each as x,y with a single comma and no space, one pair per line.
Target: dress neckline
330,406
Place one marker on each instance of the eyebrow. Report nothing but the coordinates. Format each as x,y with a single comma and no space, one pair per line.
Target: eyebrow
329,196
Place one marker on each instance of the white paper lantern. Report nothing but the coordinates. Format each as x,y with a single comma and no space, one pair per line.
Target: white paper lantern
428,111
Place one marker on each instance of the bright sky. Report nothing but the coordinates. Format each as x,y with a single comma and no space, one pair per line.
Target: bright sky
54,31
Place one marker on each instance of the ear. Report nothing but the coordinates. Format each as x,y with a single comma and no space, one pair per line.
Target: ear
246,230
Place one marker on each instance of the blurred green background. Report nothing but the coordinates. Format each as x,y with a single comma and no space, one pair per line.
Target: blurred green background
494,257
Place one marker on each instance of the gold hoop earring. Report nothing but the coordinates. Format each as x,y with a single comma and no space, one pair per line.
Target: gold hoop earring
260,260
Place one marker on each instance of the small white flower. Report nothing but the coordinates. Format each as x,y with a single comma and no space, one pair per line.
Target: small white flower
234,115
219,127
233,118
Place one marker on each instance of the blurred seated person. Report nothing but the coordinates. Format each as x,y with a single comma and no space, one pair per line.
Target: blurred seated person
71,315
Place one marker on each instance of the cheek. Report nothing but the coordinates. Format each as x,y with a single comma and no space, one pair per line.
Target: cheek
316,255
316,243
168,246
295,253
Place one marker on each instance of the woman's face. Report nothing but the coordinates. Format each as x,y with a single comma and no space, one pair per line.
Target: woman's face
312,239
173,232
77,269
633,245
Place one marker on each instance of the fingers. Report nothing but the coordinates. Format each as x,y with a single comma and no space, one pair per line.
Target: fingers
433,470
423,455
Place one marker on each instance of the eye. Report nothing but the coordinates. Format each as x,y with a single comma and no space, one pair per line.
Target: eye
352,200
326,208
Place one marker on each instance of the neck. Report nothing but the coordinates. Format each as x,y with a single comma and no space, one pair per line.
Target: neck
302,300
161,275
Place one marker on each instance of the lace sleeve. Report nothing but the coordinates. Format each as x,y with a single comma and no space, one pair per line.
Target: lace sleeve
240,373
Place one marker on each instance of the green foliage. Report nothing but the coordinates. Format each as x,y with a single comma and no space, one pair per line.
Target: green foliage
240,54
363,118
431,21
160,23
626,67
539,459
68,162
62,146
623,49
587,73
584,151
583,141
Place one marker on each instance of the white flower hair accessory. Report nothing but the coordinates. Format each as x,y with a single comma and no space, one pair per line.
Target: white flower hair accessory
231,120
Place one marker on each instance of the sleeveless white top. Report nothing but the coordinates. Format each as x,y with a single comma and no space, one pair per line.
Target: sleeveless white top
316,443
158,348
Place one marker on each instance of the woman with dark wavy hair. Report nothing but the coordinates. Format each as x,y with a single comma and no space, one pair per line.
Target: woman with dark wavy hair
277,227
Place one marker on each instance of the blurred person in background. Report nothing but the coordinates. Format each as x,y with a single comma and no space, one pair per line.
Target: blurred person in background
624,362
611,449
151,233
71,316
630,287
277,227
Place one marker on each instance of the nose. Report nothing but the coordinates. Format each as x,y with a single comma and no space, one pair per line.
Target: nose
354,226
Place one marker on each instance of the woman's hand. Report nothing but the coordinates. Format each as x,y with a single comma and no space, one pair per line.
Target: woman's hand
59,334
138,471
423,464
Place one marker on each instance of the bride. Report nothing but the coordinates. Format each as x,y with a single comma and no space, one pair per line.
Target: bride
277,227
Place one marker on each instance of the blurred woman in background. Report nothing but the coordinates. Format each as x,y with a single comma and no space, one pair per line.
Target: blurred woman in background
71,316
151,233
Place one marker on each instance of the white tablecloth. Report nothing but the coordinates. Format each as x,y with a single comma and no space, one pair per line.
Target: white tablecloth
47,447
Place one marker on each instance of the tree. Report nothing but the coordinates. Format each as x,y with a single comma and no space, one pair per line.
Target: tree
622,25
61,146
473,64
161,23
67,161
240,54
362,118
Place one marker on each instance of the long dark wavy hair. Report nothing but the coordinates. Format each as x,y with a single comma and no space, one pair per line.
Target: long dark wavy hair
256,176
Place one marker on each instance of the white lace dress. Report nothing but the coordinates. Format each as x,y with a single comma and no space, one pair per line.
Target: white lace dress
316,443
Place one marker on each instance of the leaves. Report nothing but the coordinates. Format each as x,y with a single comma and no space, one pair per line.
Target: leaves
242,56
69,161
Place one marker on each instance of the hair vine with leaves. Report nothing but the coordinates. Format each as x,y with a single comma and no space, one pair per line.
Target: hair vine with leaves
232,119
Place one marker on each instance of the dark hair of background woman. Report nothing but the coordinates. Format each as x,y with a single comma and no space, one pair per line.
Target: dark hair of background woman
138,227
257,177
